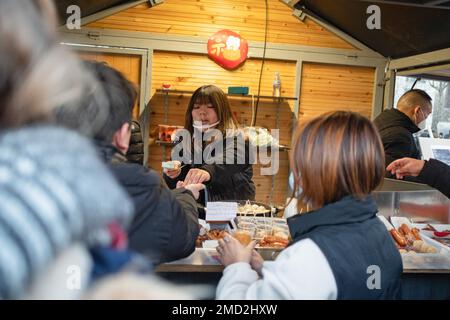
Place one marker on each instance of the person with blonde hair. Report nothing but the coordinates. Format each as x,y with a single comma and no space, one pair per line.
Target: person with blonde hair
337,160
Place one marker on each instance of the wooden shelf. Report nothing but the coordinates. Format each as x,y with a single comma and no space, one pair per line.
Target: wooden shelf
165,143
249,96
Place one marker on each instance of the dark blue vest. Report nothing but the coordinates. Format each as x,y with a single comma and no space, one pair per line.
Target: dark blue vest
355,243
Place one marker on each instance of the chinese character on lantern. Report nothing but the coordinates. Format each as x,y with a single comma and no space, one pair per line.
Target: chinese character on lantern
227,49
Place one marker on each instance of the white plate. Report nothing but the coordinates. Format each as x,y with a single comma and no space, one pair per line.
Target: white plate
398,221
438,227
387,224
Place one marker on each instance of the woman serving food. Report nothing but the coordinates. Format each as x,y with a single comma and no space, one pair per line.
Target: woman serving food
215,152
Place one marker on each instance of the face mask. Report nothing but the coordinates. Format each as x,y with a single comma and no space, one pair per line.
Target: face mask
200,126
291,185
422,125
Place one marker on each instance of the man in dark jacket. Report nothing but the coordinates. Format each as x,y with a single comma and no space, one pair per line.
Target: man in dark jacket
165,225
135,152
432,172
397,126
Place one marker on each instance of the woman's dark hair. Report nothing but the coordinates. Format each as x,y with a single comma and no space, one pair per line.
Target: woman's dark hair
218,99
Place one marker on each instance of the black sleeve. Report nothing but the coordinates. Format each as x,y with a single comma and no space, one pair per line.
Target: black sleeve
241,158
185,227
165,226
172,183
399,144
437,175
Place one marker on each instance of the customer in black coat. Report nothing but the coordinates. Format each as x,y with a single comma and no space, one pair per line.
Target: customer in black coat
165,225
397,126
135,152
432,172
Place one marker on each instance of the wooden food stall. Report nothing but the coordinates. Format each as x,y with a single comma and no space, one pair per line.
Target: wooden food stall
319,59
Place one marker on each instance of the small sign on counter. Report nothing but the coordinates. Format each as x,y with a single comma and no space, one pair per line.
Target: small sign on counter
221,211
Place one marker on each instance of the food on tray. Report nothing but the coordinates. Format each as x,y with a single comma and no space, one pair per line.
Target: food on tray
421,247
200,239
214,234
260,227
407,233
416,233
409,240
171,165
273,242
249,209
280,232
244,237
398,237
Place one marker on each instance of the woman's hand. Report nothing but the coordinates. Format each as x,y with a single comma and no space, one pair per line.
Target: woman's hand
173,173
194,188
196,176
256,262
231,251
406,167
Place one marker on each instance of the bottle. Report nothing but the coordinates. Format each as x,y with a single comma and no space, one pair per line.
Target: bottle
277,85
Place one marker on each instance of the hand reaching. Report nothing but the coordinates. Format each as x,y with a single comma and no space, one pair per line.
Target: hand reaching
196,176
256,262
406,167
232,251
194,188
173,173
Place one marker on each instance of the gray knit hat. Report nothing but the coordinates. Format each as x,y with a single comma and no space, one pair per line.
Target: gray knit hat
53,191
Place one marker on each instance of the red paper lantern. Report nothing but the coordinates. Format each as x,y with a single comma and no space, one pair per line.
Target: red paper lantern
227,49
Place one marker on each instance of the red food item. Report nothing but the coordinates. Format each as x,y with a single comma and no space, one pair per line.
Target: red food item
273,241
216,234
442,233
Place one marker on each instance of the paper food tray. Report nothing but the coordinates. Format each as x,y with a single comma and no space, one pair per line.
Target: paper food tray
261,222
398,221
438,227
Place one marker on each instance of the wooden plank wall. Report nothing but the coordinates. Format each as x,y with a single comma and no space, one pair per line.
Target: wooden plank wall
324,87
189,71
327,87
129,65
205,17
